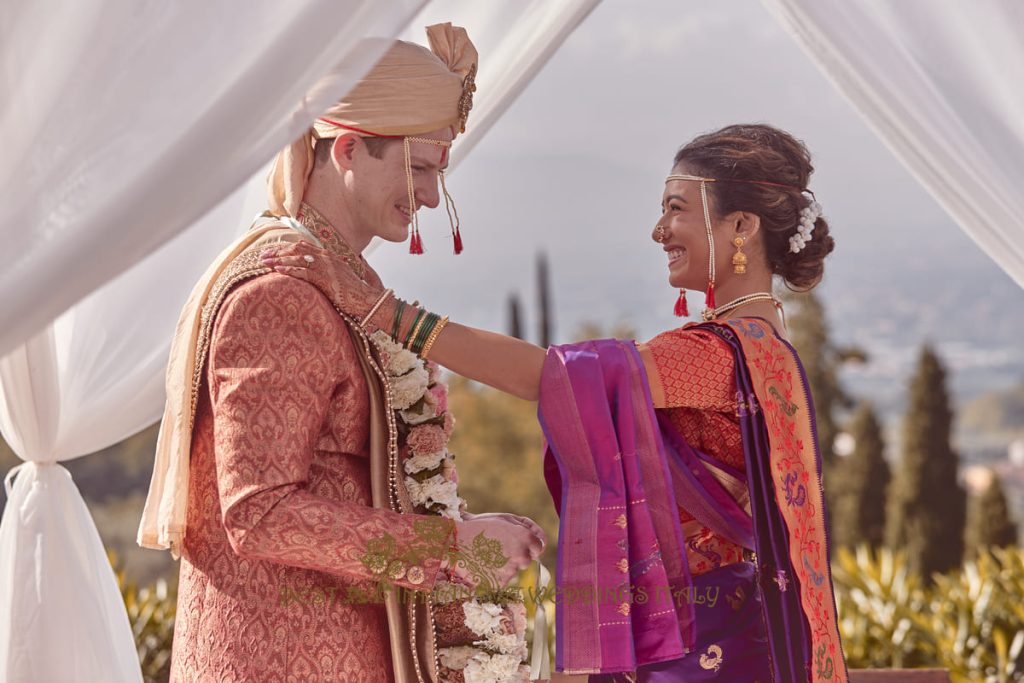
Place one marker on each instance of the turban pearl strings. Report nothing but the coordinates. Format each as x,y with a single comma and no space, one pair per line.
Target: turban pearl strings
416,242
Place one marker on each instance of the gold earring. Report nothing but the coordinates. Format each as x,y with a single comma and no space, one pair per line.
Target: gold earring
739,259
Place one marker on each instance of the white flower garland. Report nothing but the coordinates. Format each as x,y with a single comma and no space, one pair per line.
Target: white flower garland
420,400
499,655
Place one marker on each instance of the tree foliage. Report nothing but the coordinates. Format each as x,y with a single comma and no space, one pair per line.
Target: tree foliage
515,317
862,479
927,508
498,452
989,522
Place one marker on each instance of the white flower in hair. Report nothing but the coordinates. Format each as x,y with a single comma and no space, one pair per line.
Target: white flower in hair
803,235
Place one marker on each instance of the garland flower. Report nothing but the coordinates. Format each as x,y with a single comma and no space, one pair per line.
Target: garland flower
496,620
420,400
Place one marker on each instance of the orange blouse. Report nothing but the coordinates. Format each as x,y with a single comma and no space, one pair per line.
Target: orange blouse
696,372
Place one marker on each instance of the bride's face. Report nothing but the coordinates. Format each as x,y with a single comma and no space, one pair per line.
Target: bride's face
683,235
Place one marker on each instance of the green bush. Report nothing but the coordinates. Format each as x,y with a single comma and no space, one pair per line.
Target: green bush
151,611
969,621
878,598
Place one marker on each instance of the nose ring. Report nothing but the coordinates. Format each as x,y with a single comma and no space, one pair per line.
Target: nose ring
659,234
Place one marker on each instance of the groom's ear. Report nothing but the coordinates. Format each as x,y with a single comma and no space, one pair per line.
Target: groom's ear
345,149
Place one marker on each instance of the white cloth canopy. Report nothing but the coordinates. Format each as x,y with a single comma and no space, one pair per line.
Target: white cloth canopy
111,108
940,83
163,111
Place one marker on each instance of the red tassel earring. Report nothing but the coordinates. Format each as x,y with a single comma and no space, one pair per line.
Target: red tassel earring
458,241
681,309
415,243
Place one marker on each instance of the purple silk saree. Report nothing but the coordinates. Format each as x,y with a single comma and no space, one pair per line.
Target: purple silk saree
625,599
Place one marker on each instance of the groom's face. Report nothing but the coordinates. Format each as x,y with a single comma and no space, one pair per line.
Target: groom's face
380,187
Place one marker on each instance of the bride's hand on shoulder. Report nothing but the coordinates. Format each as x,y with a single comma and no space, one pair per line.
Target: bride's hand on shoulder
327,271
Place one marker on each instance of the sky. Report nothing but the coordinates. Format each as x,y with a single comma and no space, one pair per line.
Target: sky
575,168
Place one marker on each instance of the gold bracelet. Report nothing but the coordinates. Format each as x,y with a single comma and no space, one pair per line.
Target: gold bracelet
412,335
433,336
373,309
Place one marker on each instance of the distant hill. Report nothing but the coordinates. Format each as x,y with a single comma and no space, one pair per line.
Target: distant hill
996,412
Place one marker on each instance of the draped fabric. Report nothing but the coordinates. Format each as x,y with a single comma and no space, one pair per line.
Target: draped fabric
117,110
613,470
123,124
939,82
621,557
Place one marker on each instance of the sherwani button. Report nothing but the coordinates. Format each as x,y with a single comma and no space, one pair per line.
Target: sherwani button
396,570
415,575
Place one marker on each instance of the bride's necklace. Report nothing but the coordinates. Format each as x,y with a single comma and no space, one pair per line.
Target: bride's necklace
712,313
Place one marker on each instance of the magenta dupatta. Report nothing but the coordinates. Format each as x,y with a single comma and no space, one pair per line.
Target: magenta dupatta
616,475
619,519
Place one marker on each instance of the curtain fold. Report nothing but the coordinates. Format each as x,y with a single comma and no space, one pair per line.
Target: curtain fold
939,82
122,124
125,122
166,112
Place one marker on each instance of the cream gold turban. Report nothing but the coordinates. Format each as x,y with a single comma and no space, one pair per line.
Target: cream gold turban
409,92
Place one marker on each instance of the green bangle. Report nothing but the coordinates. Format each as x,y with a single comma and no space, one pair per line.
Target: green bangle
415,328
424,333
399,309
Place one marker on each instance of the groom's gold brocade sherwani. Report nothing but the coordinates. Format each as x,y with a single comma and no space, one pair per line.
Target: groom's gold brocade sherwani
272,587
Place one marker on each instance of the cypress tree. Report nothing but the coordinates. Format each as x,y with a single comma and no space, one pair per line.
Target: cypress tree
989,522
859,513
927,509
544,301
515,320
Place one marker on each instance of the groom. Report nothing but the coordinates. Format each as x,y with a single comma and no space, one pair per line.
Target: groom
278,453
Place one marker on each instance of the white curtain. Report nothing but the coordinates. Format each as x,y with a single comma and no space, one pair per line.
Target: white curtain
940,82
95,375
123,122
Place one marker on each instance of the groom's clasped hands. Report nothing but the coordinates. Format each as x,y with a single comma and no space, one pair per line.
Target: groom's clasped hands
522,541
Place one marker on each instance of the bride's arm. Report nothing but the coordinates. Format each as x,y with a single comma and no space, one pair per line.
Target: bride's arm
505,363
